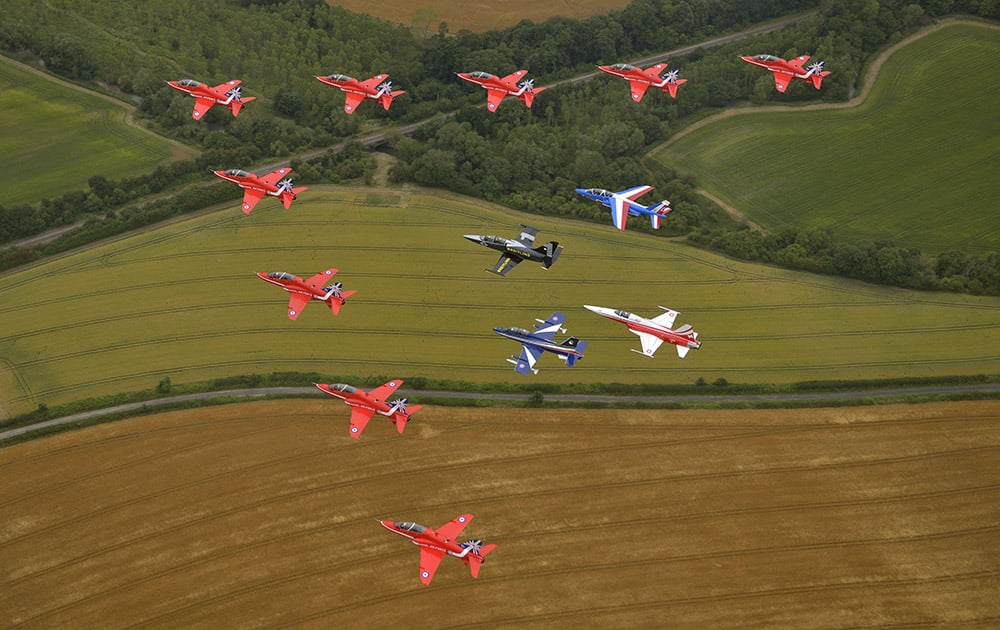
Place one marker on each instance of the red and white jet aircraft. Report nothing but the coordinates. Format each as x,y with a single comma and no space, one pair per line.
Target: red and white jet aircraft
375,88
366,404
227,94
497,88
436,544
639,79
785,71
302,291
256,187
653,332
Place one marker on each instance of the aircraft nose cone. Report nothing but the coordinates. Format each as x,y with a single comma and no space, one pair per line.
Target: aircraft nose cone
473,237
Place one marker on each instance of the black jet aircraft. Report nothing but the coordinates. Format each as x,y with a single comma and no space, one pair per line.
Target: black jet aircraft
514,251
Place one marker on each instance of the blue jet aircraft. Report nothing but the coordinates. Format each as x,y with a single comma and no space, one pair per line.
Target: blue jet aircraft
533,344
623,204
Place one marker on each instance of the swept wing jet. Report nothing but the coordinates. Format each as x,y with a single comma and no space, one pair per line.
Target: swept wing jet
785,71
302,291
366,404
228,94
376,88
653,332
255,187
497,88
533,344
623,204
437,543
514,250
639,80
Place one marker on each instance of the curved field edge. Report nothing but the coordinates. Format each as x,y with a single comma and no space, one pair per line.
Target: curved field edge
831,517
856,167
60,134
181,302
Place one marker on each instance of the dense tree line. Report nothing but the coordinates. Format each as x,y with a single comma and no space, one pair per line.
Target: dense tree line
584,134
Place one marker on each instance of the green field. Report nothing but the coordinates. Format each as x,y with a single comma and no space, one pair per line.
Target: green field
54,137
182,301
913,163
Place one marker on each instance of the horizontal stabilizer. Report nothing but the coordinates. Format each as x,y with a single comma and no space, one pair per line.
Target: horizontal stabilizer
476,561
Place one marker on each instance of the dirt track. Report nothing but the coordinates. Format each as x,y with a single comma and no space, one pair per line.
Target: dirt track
263,513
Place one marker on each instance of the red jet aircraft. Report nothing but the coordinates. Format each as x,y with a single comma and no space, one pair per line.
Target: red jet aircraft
255,187
497,88
640,79
785,71
227,94
435,544
376,88
653,332
316,288
365,404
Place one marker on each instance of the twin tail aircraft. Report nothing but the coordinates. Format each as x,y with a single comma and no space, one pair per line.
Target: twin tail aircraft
514,250
301,292
435,544
364,404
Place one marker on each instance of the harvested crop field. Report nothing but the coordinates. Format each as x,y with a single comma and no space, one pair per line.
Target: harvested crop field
265,514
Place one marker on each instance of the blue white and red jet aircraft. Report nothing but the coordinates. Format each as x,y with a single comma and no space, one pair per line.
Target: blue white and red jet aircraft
639,79
228,94
301,292
653,332
366,404
256,187
533,344
785,71
437,543
357,91
623,204
497,88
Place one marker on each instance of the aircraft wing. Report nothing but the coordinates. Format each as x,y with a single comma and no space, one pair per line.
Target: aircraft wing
429,561
382,392
619,212
353,100
373,82
250,199
798,61
781,80
201,105
638,89
649,343
529,356
528,234
221,89
320,279
547,329
511,79
296,302
505,264
494,98
634,193
359,420
451,530
666,319
272,178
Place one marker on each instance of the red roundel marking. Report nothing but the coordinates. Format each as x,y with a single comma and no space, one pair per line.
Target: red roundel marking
392,383
461,519
354,429
424,574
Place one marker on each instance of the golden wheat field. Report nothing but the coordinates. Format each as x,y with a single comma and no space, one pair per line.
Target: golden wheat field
264,515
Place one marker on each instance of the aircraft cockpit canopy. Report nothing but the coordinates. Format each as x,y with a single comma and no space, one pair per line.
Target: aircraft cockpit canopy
339,78
599,192
766,58
499,240
281,275
341,387
523,332
622,66
479,74
624,314
409,526
235,172
191,83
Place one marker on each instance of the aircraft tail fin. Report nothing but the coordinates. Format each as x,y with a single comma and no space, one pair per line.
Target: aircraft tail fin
528,96
386,98
551,251
335,303
237,104
577,345
288,197
401,422
477,559
659,211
